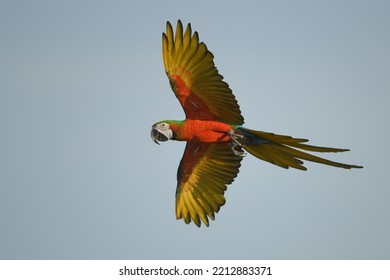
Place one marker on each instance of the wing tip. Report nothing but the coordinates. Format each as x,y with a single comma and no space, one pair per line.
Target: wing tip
179,24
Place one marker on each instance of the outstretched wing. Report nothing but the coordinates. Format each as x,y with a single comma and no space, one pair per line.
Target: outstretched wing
195,79
204,172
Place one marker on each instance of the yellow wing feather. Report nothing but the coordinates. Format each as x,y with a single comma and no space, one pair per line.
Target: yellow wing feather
204,173
194,78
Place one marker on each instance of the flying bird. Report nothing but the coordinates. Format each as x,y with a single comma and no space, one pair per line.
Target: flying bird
213,129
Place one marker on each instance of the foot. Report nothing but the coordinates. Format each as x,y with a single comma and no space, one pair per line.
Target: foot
237,139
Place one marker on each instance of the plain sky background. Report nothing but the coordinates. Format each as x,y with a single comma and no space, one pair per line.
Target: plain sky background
83,81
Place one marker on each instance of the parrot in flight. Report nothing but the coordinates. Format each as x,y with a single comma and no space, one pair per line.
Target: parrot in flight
213,129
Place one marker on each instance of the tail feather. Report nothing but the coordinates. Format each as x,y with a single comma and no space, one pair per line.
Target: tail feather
286,151
268,153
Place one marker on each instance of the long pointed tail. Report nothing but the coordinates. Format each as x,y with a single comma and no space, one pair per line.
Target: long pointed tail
285,151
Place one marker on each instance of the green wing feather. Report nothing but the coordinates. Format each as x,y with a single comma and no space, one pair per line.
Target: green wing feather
203,175
194,78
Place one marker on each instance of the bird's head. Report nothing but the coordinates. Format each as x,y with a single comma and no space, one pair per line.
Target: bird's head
161,132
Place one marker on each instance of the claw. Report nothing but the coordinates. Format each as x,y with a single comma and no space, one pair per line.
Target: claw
237,153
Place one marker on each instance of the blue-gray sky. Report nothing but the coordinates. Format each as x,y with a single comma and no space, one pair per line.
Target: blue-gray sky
83,81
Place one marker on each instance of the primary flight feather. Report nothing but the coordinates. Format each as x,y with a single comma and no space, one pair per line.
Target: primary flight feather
213,129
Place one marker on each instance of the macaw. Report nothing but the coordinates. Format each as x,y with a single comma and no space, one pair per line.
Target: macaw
214,132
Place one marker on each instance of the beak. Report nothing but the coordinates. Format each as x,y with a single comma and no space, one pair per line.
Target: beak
159,134
155,135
